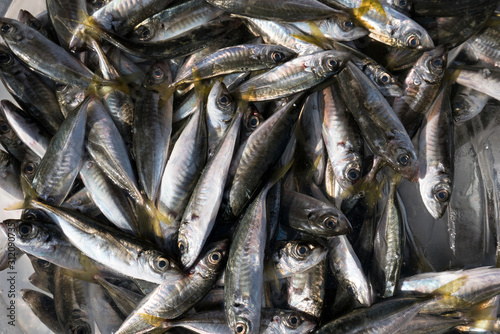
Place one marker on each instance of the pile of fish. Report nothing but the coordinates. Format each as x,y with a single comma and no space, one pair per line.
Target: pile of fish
236,166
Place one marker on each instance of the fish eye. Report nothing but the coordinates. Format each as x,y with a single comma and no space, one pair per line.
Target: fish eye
413,41
330,222
26,230
80,330
161,264
4,127
404,159
5,58
384,78
293,321
224,100
350,289
6,28
277,56
353,174
157,73
29,168
348,24
181,246
144,33
301,251
458,106
254,121
437,63
214,258
401,3
332,64
241,328
35,25
442,195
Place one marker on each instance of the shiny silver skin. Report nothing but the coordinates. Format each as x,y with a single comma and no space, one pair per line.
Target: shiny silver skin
306,290
467,103
420,88
122,16
343,142
244,276
281,34
174,21
388,246
296,75
43,55
152,127
240,58
60,164
30,90
385,317
183,168
120,252
338,28
171,300
436,156
285,10
484,80
221,109
312,216
379,125
297,256
199,217
347,269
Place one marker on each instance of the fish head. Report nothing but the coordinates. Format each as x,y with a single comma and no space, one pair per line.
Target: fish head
343,27
403,159
329,222
359,289
219,99
78,323
290,322
274,55
159,265
461,108
144,32
387,84
411,35
13,31
7,59
348,170
329,63
159,73
436,193
432,64
301,254
24,231
29,166
214,259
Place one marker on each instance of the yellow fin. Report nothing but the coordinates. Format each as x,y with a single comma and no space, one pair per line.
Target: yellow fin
151,319
366,6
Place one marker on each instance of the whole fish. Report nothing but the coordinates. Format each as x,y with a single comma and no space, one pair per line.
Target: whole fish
341,135
436,152
240,58
294,76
